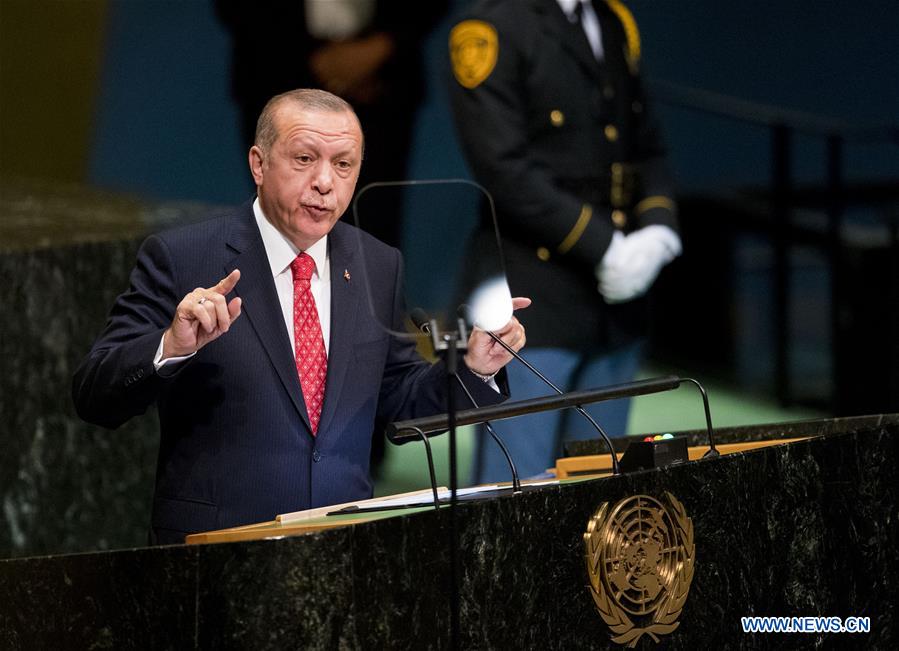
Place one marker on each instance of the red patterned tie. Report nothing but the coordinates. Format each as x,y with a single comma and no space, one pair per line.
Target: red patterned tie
309,344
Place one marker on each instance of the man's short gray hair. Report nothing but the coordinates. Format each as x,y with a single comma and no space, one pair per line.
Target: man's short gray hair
306,98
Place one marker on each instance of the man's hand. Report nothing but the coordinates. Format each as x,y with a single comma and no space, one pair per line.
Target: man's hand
485,356
632,262
201,316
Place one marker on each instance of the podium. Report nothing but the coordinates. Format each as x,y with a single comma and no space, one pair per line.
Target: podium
805,526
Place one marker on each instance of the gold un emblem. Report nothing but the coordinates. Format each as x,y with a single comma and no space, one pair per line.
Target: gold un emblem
640,561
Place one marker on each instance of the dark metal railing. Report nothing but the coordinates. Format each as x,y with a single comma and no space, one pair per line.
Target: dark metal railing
783,124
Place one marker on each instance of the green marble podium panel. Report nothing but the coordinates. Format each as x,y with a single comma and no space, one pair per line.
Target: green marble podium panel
65,254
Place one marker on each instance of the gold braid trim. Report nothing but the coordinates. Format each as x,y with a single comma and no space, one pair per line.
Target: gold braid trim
579,227
654,202
631,33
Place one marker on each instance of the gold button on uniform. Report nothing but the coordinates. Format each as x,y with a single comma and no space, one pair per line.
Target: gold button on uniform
619,218
543,253
611,132
557,117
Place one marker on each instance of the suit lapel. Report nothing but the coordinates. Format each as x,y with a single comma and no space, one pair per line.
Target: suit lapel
261,306
346,290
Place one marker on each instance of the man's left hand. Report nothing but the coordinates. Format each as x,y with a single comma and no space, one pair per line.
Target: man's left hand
487,357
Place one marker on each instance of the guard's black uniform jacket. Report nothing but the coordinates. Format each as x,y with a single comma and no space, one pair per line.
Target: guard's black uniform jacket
565,145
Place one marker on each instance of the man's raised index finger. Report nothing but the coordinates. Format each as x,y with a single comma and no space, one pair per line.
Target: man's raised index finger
227,283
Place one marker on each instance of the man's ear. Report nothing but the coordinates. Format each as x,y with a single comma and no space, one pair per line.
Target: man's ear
256,160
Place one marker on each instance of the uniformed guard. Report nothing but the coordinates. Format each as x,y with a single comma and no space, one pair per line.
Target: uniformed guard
553,119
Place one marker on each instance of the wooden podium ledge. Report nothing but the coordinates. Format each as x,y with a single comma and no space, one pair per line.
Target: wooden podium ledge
303,522
598,463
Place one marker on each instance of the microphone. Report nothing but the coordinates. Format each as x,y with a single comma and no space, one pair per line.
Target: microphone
605,437
420,320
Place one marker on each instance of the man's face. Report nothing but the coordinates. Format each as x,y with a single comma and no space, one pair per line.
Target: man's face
306,180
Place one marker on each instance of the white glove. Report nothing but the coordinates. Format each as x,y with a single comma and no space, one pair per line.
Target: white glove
632,262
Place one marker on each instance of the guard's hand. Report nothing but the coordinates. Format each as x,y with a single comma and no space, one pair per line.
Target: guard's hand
201,316
632,262
349,68
485,356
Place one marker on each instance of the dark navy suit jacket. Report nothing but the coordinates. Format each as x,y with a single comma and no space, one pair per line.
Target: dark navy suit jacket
236,446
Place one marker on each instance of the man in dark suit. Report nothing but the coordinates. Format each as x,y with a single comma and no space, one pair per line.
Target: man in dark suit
369,52
553,118
273,412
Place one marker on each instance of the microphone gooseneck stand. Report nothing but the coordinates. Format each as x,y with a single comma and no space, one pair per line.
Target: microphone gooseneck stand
516,480
424,439
578,408
421,321
712,451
